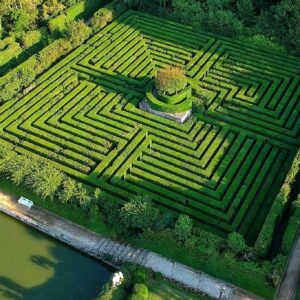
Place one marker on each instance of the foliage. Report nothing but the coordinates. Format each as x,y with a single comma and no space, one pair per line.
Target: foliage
292,228
106,15
273,269
140,275
78,150
68,191
111,212
166,220
183,228
261,41
282,22
245,10
209,244
210,15
140,292
170,80
112,293
33,37
77,32
264,240
277,21
9,50
51,8
101,18
44,179
139,213
52,53
236,243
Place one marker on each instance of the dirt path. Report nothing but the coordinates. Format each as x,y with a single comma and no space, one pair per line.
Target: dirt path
99,247
291,278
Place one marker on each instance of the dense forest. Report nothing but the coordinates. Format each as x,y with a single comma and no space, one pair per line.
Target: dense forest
17,16
270,23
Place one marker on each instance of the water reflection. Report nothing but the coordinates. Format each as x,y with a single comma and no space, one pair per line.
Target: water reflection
35,267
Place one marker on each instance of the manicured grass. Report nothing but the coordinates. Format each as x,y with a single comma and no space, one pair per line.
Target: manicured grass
227,271
164,290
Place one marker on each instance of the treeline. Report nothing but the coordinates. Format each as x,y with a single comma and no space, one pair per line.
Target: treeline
17,16
43,179
73,33
267,23
137,218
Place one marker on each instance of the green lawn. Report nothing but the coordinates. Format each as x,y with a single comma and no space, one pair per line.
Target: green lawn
165,290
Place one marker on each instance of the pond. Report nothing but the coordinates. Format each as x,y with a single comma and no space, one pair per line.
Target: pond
36,267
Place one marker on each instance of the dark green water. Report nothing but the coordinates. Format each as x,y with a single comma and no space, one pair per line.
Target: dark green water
35,267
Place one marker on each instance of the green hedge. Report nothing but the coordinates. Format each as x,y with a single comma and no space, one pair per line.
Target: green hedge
265,238
179,103
81,10
292,228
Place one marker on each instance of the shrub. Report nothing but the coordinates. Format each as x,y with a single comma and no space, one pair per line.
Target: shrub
245,11
183,228
30,38
106,14
50,54
273,269
140,275
200,104
111,211
77,32
236,243
127,270
82,196
166,220
51,8
209,243
264,240
291,229
68,191
101,18
112,293
140,292
261,41
191,243
139,213
44,179
170,80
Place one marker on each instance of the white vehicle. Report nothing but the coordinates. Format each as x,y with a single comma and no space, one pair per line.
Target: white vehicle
25,202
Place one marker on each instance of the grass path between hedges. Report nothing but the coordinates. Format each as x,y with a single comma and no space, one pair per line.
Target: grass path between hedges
252,282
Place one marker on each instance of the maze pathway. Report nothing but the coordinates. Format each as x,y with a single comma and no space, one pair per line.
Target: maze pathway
223,167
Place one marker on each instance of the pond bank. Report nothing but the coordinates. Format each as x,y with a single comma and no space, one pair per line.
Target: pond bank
114,253
36,266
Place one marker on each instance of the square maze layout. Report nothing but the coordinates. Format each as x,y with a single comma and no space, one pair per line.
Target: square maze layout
223,167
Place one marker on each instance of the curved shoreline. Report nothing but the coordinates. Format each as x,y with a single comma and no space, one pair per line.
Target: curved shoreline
100,247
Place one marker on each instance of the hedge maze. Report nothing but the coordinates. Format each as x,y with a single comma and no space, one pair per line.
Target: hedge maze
223,167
